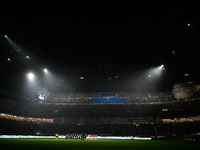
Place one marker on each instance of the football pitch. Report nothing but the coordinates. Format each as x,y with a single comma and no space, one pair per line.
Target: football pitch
99,144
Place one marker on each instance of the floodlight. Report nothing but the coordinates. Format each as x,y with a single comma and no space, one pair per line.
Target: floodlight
155,72
5,36
27,57
9,59
45,70
31,76
186,75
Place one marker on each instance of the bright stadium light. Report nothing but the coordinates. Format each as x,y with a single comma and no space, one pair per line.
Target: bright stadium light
13,44
155,72
45,70
9,59
161,67
31,76
27,57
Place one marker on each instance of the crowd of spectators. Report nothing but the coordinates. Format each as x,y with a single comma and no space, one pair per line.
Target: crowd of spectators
13,127
27,108
8,127
147,97
131,97
68,117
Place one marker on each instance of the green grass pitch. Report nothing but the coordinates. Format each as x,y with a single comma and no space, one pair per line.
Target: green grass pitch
76,144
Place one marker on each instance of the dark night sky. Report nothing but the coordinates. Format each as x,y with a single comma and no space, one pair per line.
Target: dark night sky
139,35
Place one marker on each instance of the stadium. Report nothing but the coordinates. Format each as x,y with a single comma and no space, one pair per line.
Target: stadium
152,115
77,87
